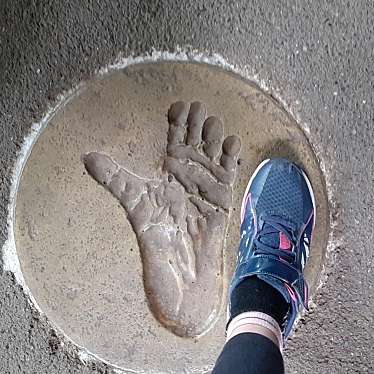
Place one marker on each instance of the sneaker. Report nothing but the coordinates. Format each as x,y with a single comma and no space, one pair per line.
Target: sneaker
277,222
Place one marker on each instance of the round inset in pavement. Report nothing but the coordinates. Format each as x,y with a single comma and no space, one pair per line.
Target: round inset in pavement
128,210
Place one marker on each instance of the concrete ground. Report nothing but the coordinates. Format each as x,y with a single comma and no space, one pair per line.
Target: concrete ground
315,57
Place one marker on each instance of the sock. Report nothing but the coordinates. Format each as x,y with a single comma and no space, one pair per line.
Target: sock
255,295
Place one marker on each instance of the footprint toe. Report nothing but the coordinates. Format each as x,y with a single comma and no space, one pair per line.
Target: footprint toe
212,136
231,146
177,117
195,122
230,151
100,166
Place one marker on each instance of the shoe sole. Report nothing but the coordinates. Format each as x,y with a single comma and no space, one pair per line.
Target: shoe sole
259,167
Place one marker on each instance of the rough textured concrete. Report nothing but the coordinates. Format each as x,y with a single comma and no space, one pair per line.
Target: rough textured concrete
315,57
80,250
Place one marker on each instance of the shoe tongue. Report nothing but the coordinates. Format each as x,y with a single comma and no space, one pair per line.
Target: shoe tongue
275,239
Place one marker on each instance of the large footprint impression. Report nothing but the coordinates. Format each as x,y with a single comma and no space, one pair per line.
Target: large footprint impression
180,220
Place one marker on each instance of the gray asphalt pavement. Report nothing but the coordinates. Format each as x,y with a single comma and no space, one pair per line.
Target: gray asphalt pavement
315,57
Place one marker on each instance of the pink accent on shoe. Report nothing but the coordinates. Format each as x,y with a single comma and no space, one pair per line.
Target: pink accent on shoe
284,243
254,214
244,206
291,292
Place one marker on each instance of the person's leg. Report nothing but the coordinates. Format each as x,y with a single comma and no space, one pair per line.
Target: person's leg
253,352
268,289
249,354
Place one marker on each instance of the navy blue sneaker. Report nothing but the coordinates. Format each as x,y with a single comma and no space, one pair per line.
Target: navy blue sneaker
277,222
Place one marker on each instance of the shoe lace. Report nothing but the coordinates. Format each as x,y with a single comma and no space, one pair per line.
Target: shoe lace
273,225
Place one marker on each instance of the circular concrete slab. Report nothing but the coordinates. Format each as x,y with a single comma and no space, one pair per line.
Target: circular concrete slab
110,218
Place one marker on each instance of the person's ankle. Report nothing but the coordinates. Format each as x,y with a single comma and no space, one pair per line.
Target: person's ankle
255,323
255,295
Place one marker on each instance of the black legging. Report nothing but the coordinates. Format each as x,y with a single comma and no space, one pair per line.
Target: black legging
249,354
